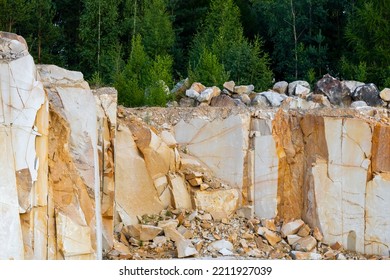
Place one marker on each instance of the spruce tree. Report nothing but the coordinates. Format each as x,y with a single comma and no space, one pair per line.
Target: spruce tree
222,35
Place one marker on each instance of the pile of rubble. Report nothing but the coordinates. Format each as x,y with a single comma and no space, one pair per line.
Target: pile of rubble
327,92
182,233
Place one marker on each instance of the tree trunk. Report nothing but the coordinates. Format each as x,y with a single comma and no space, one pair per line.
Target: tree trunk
295,38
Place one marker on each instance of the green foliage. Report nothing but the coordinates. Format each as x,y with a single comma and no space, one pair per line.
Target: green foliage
208,70
222,34
294,28
352,71
13,14
99,37
368,33
144,81
156,28
159,76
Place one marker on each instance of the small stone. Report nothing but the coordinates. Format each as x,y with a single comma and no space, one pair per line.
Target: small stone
225,252
305,244
206,225
229,86
247,236
168,223
217,236
341,257
261,245
206,217
291,227
271,236
385,94
243,89
195,182
337,246
243,243
208,93
194,174
173,234
293,85
270,224
148,232
330,255
185,248
255,253
222,100
304,231
221,244
317,234
233,237
245,99
280,87
192,93
297,255
358,104
187,102
274,98
302,91
198,87
292,238
260,101
204,186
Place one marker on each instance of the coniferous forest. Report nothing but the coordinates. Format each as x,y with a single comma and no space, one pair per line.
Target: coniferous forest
144,47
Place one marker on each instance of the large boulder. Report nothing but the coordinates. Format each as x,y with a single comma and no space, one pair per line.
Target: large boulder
331,88
368,93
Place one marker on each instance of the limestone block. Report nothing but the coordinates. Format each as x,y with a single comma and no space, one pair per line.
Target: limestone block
381,149
342,184
159,158
135,193
180,193
377,234
266,164
220,144
73,237
185,248
292,227
219,203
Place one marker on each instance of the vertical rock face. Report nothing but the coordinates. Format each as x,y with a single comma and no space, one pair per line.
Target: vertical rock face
339,184
74,167
220,144
266,164
23,142
106,102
